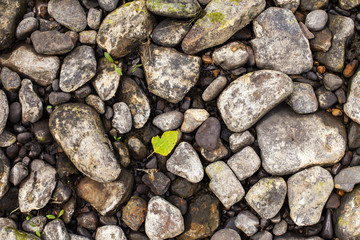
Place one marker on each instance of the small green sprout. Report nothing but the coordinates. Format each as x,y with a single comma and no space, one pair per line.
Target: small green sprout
135,66
57,217
117,138
28,217
49,107
114,63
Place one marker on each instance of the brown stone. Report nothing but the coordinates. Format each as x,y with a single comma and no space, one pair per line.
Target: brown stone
322,41
134,213
351,68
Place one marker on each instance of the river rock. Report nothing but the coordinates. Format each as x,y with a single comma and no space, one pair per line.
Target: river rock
94,18
10,80
26,27
134,213
10,233
231,56
4,174
290,142
77,69
55,230
251,96
193,118
125,28
79,131
169,120
106,198
18,173
35,192
7,138
347,178
4,110
25,61
316,20
291,55
51,42
238,141
292,5
322,40
310,5
354,135
308,191
110,232
170,32
351,107
108,5
222,19
215,87
208,134
226,234
303,99
244,163
247,222
348,4
167,80
31,104
177,9
122,120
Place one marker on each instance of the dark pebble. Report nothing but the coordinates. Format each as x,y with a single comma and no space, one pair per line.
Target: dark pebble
179,202
56,98
355,161
49,158
208,134
88,220
183,188
24,137
312,76
313,230
137,236
12,151
326,98
55,85
346,159
336,168
108,220
341,95
333,201
83,92
159,183
327,230
84,232
23,151
109,112
14,112
142,189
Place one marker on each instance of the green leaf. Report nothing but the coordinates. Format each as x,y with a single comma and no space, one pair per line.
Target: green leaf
49,107
61,213
38,233
108,57
28,217
50,216
118,70
31,224
166,143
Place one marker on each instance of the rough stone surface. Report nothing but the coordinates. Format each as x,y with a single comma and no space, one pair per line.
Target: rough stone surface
292,5
213,155
122,120
55,230
26,27
94,18
79,131
348,4
4,110
354,135
169,120
170,32
110,232
51,42
352,107
7,139
35,192
244,163
308,191
291,55
310,5
251,96
18,172
25,61
247,222
169,73
178,9
10,80
290,142
134,213
31,105
88,37
108,5
222,19
4,174
322,40
238,141
267,196
13,233
95,102
332,81
185,162
303,99
231,56
193,118
226,234
347,178
215,87
316,20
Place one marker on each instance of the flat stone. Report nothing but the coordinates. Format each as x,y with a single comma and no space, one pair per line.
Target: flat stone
290,142
166,80
110,232
231,55
238,141
267,196
226,234
158,182
224,184
122,30
56,98
185,162
326,98
94,18
316,20
170,32
108,5
347,178
4,174
322,41
222,19
68,13
7,139
77,69
247,222
122,120
208,134
354,135
26,27
55,230
4,110
291,55
25,61
163,220
292,5
310,5
106,198
351,107
309,35
217,154
51,42
303,99
178,9
348,4
95,102
214,89
169,120
193,118
134,213
341,28
250,97
35,192
308,191
31,104
78,130
244,163
10,80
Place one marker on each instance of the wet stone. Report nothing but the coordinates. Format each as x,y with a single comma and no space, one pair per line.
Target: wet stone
247,222
316,20
51,42
31,104
94,18
322,41
168,121
231,55
178,9
193,118
10,80
326,98
55,230
280,228
226,234
218,153
208,134
303,99
351,107
4,174
122,120
170,32
7,139
18,173
57,98
244,163
110,232
183,188
292,5
95,102
347,178
214,89
134,213
332,81
158,182
88,220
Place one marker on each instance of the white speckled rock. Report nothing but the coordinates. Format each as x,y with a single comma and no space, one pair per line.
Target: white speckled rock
169,120
122,120
31,105
247,222
226,234
193,118
55,230
231,56
4,174
110,232
347,178
316,20
303,99
292,5
4,110
348,4
238,141
215,87
352,105
244,163
174,9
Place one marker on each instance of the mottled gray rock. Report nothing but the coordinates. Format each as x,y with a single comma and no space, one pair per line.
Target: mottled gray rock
88,37
185,162
106,198
332,81
170,32
231,55
354,135
316,20
18,173
4,174
10,80
226,234
169,73
247,222
122,30
280,228
6,222
95,102
224,184
267,196
308,191
31,105
79,131
136,100
193,118
7,139
25,61
35,192
208,134
244,163
292,5
110,232
291,55
55,230
77,237
290,142
56,98
347,178
348,4
326,98
163,220
46,25
68,13
26,27
264,235
322,41
238,141
352,107
62,193
77,69
303,99
251,96
51,42
122,121
168,121
108,5
213,155
310,5
10,233
215,87
94,18
4,110
341,28
222,19
177,9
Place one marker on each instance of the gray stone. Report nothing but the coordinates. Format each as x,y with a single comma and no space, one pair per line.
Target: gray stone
347,178
123,153
250,97
62,193
122,30
193,118
68,13
238,141
291,55
122,121
88,37
294,236
310,5
170,32
308,191
348,4
177,9
267,196
10,80
224,184
7,139
46,25
7,222
332,81
51,42
108,5
185,162
90,3
325,98
79,131
222,19
77,69
94,18
163,220
231,55
56,98
136,148
18,173
35,192
215,87
4,174
280,228
244,163
226,234
247,222
351,107
208,134
169,73
31,104
55,230
292,5
213,155
168,121
106,198
95,102
354,135
341,28
77,237
25,61
264,235
110,232
10,233
26,27
309,35
316,20
290,142
4,110
303,99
